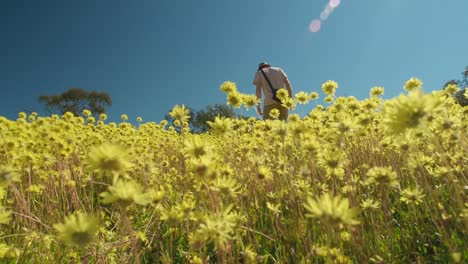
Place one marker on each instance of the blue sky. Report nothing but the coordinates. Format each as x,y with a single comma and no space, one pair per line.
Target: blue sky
152,54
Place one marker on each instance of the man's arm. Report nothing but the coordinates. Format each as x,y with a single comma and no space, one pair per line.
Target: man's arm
288,86
259,97
287,83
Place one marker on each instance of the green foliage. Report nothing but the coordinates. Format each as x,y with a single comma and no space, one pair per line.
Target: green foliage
75,100
198,119
209,113
463,85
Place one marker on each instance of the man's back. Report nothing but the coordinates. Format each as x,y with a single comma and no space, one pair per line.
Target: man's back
277,77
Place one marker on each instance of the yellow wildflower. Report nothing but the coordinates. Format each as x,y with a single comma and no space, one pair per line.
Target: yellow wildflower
412,195
302,97
109,160
87,112
196,148
382,176
126,193
180,113
334,211
7,175
376,91
274,113
329,87
78,229
228,87
282,94
313,95
250,100
234,99
221,125
451,88
369,203
288,103
102,117
409,111
413,84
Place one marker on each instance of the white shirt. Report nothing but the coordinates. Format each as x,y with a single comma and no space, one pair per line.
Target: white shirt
278,79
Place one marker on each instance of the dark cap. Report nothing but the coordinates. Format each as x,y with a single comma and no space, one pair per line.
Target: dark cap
263,64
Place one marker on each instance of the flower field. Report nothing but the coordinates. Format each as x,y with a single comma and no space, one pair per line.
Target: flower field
355,181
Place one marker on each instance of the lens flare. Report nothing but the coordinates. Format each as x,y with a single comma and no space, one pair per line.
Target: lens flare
315,25
334,3
324,15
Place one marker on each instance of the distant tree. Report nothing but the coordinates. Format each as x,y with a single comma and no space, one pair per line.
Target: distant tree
75,100
198,119
209,113
463,85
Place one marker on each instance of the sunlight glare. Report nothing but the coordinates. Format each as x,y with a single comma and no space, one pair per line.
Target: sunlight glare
334,3
315,25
